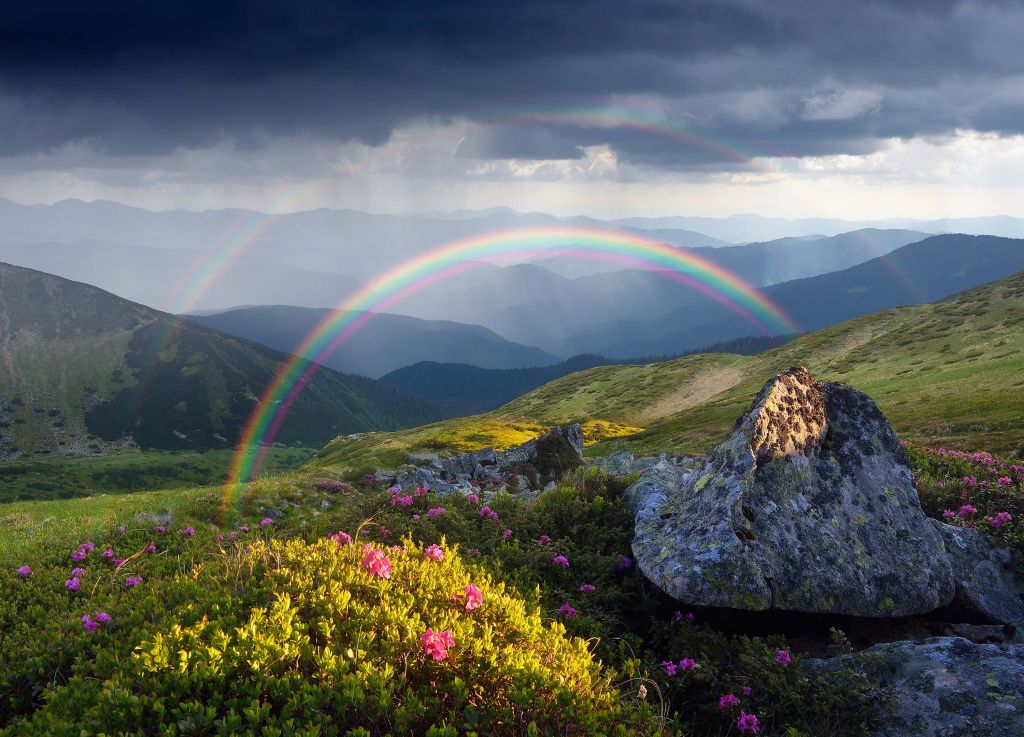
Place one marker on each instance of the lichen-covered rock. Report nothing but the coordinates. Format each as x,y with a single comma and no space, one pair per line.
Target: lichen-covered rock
943,687
987,575
808,505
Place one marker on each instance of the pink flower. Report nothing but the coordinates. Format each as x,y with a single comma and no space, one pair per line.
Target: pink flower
132,581
587,588
567,611
506,535
266,522
727,702
783,657
376,562
948,514
341,538
967,511
488,513
88,547
78,555
384,532
72,584
151,548
122,529
243,529
746,690
416,518
474,597
687,664
543,540
436,644
747,723
88,624
107,554
160,529
24,572
434,552
435,512
1004,481
394,490
999,519
670,667
421,491
77,572
473,498
187,532
560,560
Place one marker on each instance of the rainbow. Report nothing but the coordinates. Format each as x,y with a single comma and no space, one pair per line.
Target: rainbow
456,258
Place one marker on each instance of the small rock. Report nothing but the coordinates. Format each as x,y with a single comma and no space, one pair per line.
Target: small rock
986,574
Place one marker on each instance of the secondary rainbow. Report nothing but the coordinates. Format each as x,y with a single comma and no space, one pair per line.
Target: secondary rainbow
455,258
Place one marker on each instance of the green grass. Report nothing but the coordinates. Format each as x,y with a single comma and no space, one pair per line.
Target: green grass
124,473
948,373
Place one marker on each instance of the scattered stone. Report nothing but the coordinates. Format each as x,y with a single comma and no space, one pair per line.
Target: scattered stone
808,505
943,687
497,470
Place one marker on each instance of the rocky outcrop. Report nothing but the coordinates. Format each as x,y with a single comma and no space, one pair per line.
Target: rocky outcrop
943,687
808,505
557,450
987,575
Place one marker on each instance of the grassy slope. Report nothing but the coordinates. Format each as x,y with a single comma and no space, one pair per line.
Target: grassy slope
950,372
122,473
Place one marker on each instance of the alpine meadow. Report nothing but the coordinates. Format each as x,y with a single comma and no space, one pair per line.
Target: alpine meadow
581,369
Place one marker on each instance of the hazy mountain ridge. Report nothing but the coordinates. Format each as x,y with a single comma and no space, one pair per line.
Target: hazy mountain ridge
386,343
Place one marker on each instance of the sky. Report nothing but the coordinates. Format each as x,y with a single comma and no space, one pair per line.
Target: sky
790,108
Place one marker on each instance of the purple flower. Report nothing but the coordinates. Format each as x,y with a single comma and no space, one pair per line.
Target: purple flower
783,657
24,572
78,555
87,547
560,560
266,522
506,535
77,572
747,723
88,624
727,702
687,664
132,581
107,554
670,668
473,498
435,512
160,529
567,611
587,588
72,584
188,532
625,563
151,548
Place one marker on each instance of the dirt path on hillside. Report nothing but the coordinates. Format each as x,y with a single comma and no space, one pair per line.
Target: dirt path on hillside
696,391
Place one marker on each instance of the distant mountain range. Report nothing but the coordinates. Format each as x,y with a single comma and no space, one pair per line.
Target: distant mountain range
386,343
170,278
83,371
920,272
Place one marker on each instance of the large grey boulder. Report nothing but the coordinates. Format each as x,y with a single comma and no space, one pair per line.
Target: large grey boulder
988,576
807,505
943,687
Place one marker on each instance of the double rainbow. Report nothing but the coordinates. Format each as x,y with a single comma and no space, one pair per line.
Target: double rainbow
455,258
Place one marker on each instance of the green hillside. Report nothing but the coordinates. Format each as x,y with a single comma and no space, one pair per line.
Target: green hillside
83,371
951,372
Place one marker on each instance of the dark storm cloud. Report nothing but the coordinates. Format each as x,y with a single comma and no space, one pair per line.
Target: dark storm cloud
792,77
